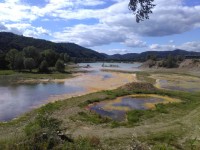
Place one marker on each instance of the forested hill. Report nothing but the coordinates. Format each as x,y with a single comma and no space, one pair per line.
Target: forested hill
12,41
158,54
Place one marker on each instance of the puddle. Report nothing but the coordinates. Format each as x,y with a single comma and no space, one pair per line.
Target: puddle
116,109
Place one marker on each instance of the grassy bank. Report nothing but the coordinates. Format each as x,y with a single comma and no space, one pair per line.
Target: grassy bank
13,76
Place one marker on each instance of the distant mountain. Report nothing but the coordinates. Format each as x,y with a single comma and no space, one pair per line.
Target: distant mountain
158,54
9,41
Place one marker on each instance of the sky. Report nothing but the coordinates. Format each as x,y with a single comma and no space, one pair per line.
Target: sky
107,26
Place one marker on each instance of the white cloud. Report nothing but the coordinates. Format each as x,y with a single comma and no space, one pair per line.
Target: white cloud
189,46
15,11
157,47
114,24
26,29
131,42
117,51
117,24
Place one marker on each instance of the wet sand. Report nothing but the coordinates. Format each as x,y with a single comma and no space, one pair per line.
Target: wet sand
95,83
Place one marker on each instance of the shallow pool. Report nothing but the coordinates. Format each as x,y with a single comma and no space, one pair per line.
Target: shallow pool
116,109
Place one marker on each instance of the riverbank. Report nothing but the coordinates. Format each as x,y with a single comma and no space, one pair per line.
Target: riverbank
174,125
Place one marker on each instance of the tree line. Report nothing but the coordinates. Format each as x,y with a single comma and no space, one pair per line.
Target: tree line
31,58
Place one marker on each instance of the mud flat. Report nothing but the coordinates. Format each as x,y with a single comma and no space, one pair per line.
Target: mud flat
177,82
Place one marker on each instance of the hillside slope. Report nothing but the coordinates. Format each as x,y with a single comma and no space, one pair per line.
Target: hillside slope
10,40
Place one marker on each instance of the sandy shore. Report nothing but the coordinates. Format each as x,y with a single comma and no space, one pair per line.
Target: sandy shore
95,83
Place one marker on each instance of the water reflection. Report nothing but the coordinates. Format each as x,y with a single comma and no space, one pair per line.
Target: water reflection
116,109
17,99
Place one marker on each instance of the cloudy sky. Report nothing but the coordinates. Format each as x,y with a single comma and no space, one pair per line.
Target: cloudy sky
105,25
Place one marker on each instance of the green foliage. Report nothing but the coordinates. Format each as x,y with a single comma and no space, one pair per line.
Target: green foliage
115,124
141,8
43,66
59,66
66,57
19,61
152,57
134,116
43,132
170,62
10,57
29,64
32,52
50,56
161,108
145,77
91,117
3,62
84,143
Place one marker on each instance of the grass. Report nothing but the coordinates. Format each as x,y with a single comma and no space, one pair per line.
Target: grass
145,77
12,76
90,118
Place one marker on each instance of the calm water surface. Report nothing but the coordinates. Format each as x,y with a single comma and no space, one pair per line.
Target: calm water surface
111,108
18,99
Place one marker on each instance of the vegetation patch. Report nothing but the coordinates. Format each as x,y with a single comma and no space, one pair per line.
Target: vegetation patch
90,117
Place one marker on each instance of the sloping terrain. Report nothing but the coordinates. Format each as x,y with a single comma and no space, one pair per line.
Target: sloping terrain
12,41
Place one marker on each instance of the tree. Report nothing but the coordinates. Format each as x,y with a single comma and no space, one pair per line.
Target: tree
3,62
50,56
66,57
43,66
10,57
32,52
170,62
29,64
60,66
152,57
19,61
141,8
